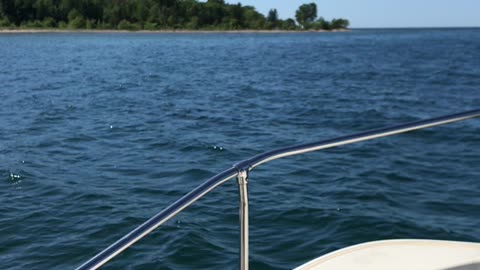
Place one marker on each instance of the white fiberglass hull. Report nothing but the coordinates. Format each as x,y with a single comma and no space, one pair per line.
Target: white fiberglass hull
401,255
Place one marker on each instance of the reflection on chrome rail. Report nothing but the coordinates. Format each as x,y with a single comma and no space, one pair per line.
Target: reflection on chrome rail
240,171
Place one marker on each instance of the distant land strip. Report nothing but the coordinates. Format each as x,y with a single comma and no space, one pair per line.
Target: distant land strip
113,31
155,15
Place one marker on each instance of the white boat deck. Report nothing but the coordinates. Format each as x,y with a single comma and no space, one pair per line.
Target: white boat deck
401,255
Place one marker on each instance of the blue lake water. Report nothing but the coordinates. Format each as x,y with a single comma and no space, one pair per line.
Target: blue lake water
98,132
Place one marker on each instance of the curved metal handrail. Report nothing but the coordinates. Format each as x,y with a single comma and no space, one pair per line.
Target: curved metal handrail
364,136
241,169
157,220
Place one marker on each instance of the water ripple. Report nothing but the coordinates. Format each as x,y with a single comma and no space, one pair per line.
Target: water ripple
100,132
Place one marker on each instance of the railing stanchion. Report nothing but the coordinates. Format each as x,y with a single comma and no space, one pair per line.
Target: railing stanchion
241,169
242,180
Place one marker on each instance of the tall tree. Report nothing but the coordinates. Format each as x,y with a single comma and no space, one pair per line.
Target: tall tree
306,14
272,16
272,19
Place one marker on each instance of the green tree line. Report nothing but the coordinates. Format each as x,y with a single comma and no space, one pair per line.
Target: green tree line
154,15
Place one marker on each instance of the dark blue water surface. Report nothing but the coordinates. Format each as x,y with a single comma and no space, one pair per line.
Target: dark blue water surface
98,132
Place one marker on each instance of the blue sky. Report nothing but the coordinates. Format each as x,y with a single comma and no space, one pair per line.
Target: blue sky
383,13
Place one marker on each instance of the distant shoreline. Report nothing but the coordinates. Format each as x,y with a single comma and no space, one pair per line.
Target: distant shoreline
180,31
107,31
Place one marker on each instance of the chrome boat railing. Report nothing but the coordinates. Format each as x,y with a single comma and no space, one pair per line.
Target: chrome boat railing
241,169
